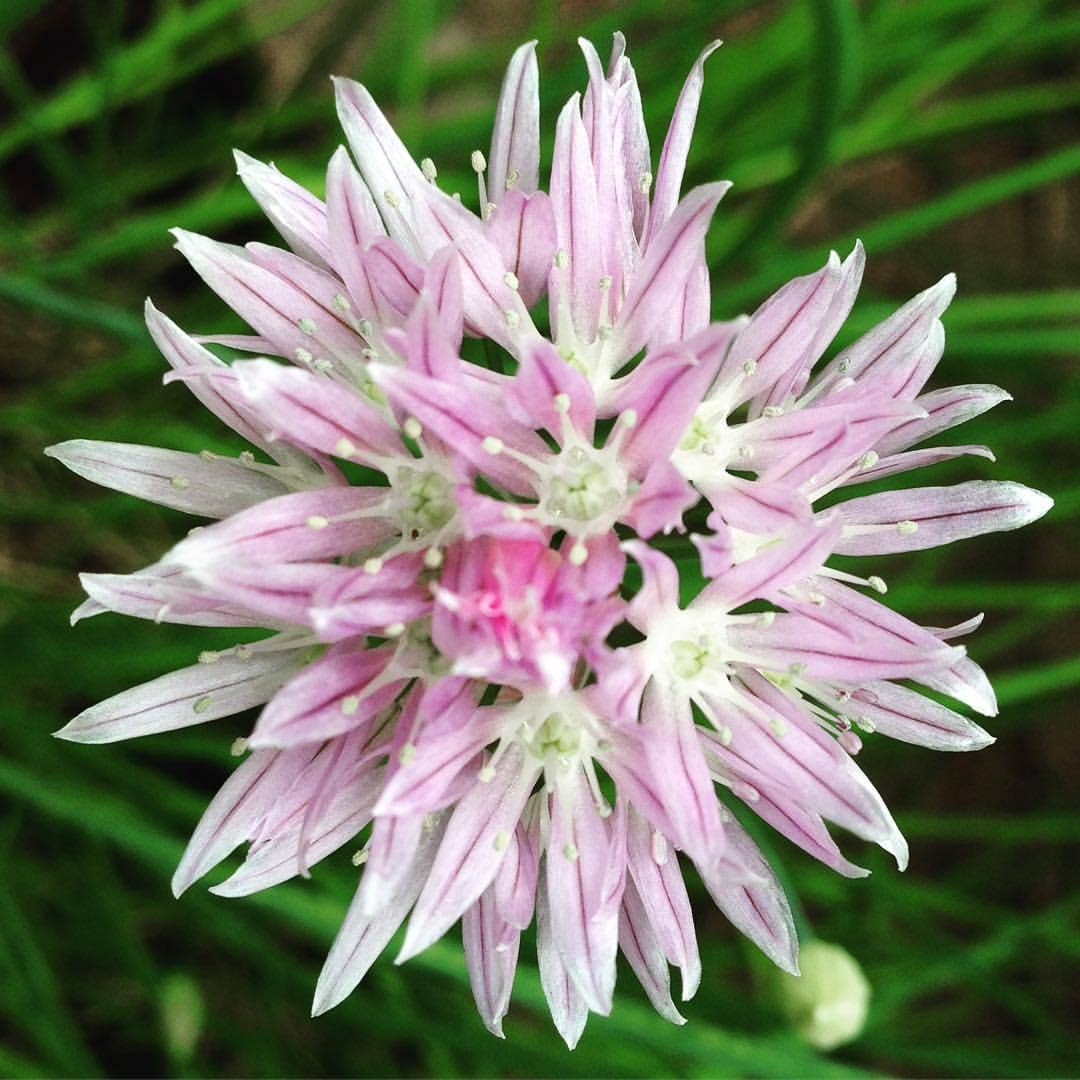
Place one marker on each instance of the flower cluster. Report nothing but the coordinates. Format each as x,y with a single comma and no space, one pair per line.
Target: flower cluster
487,664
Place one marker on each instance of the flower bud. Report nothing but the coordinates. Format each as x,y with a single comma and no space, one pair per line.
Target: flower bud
827,1003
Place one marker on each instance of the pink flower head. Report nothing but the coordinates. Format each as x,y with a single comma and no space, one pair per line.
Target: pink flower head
481,663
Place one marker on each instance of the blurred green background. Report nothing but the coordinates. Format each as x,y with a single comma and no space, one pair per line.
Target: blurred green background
945,133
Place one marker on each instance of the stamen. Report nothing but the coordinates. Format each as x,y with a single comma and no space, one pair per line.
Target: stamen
372,566
493,445
511,279
427,167
345,448
412,428
906,528
479,164
317,522
433,558
349,705
306,326
181,483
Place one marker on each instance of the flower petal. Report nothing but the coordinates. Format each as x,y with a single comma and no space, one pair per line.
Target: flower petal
514,161
471,851
927,517
203,484
191,695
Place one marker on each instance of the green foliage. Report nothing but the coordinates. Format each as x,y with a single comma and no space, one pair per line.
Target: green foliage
943,132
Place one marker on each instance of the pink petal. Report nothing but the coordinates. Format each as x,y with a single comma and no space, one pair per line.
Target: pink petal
363,936
944,409
663,391
669,172
339,692
577,215
162,593
208,485
471,851
491,954
889,356
926,517
522,228
347,811
542,376
315,412
192,695
642,949
759,909
395,181
293,210
568,1008
661,891
304,525
911,717
781,336
583,928
187,357
766,574
661,501
236,812
283,298
514,161
803,827
671,258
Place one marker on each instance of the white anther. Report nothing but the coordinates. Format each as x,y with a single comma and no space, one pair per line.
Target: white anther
209,656
391,199
906,528
772,410
766,618
725,734
406,753
868,460
493,445
304,355
372,566
364,326
412,427
341,302
358,858
478,161
628,418
578,554
501,840
645,182
349,705
433,558
778,726
605,283
306,326
247,458
511,279
749,366
512,177
816,598
559,259
877,584
512,319
394,630
486,774
181,483
239,746
317,522
513,513
345,448
202,704
322,366
561,403
427,167
570,851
